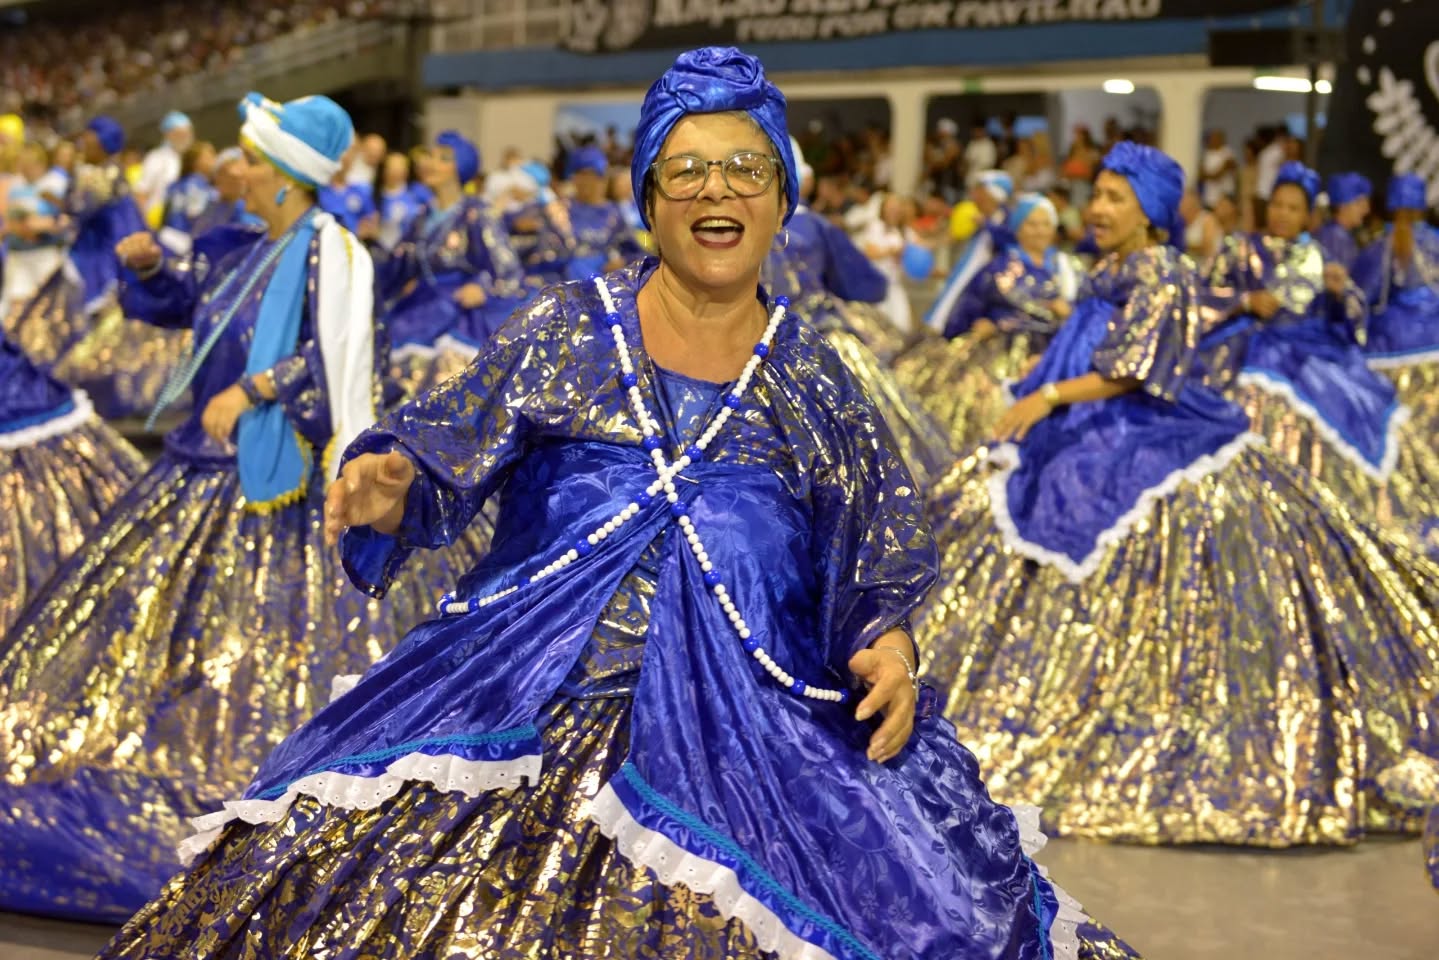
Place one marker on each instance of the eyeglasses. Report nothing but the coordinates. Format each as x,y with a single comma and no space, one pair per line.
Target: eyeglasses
683,177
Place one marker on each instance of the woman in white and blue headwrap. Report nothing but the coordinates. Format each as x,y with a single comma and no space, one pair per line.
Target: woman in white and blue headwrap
205,616
1288,330
599,749
1004,319
990,194
1148,623
453,277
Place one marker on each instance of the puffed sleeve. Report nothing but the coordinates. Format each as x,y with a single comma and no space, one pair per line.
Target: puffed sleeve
1154,340
461,438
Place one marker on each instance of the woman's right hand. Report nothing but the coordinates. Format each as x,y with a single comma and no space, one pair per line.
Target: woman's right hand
370,492
140,252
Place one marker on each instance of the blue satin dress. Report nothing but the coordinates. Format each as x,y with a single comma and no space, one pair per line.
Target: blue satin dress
1142,609
835,288
443,251
992,239
962,381
593,762
193,629
1306,381
542,242
62,468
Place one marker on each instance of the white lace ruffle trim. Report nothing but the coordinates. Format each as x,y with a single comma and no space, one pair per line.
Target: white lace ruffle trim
424,351
81,414
673,864
1006,457
445,772
641,846
1064,935
1399,361
1285,391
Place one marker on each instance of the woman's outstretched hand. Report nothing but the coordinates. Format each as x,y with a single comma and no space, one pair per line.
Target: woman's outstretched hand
370,492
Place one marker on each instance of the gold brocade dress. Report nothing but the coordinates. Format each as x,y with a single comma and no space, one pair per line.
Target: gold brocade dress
1156,629
962,381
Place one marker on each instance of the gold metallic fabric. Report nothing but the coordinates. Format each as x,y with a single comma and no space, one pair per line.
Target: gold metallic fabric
52,493
1242,668
961,382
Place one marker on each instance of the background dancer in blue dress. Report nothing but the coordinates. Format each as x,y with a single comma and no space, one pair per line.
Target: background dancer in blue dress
990,193
539,227
103,213
399,199
228,208
1144,613
204,618
1288,331
832,285
1004,320
537,770
188,197
1349,195
603,241
453,276
61,469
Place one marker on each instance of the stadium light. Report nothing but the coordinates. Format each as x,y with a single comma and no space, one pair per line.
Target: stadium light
1290,85
1118,86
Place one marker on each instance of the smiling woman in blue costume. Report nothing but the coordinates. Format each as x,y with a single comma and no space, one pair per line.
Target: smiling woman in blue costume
205,618
1288,328
1149,624
831,284
60,468
686,517
1003,321
453,275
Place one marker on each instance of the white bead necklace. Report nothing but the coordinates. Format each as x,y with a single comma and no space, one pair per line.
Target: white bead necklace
664,483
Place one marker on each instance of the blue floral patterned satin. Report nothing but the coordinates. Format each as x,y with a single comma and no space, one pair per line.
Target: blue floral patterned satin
820,258
1338,244
722,762
1083,467
601,235
1011,292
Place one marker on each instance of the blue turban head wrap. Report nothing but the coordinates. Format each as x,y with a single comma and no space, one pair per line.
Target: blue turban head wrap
1302,177
1027,204
306,138
1347,187
1406,192
587,158
109,132
1157,181
711,80
999,184
467,156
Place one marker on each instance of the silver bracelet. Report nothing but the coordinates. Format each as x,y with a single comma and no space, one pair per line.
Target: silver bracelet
909,671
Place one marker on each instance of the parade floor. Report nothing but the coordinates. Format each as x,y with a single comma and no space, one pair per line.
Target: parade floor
1368,903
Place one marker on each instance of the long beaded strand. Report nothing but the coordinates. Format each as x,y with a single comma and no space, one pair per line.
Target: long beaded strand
664,483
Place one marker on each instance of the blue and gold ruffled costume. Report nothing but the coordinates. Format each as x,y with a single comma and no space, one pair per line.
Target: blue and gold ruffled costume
1156,629
592,761
194,629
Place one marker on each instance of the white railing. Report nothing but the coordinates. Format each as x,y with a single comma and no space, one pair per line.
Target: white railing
304,48
498,24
